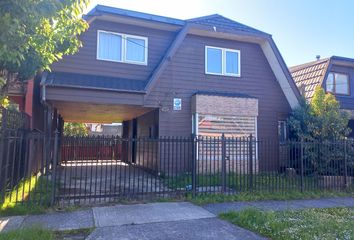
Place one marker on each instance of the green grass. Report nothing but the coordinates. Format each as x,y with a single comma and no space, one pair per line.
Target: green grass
331,223
241,182
77,233
202,199
264,187
34,233
38,233
30,196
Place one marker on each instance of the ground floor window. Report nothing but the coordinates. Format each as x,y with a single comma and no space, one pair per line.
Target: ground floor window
231,126
282,131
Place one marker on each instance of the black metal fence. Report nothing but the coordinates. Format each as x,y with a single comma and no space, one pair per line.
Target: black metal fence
170,166
25,172
12,119
105,169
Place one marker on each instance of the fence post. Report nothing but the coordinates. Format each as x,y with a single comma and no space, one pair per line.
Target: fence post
3,133
345,164
194,164
250,163
223,162
55,161
302,164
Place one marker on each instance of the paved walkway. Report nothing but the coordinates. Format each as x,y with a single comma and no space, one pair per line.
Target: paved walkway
172,220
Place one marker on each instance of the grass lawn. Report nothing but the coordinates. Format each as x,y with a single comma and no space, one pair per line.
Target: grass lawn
330,223
271,181
202,199
35,233
38,233
30,196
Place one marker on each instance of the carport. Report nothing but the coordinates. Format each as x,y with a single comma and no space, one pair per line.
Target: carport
99,162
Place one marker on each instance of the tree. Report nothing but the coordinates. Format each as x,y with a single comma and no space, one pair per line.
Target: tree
36,33
75,129
321,119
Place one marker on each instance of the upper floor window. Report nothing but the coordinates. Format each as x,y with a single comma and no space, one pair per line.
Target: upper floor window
337,83
222,61
118,47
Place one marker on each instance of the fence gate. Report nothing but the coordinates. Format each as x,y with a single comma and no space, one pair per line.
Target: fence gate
101,169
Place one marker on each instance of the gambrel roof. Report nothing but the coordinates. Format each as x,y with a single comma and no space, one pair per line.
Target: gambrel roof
215,26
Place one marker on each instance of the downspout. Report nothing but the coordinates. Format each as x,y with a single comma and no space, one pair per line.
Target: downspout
43,85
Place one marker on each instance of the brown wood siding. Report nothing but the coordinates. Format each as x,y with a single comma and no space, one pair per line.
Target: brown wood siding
147,150
185,75
85,61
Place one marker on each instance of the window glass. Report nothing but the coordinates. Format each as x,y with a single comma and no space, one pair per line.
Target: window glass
135,49
330,83
341,83
282,131
231,126
232,63
109,46
214,60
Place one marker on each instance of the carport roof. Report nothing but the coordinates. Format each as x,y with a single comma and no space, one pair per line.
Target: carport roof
62,79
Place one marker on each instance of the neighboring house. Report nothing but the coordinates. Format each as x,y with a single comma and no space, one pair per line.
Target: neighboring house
104,129
335,75
161,76
25,96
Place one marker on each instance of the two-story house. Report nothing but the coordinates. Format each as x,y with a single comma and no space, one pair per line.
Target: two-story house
161,76
335,75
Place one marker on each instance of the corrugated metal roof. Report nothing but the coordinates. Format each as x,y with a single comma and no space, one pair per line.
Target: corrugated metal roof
309,75
93,81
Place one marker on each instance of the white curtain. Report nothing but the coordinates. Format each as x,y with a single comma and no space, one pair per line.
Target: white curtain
110,46
232,62
135,49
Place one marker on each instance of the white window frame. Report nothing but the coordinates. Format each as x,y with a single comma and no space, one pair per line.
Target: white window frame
223,61
123,48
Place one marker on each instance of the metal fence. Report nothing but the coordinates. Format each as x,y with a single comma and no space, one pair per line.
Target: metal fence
25,172
12,119
66,170
171,166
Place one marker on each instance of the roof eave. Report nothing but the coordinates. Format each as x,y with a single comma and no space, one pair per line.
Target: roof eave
95,88
101,10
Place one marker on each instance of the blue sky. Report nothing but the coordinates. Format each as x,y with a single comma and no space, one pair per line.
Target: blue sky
302,29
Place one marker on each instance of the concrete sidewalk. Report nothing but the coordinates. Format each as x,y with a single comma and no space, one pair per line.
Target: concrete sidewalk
170,220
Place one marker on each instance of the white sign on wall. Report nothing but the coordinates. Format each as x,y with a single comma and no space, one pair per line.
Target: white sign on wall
177,104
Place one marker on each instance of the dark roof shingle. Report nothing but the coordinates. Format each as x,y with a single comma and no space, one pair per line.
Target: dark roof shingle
225,24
